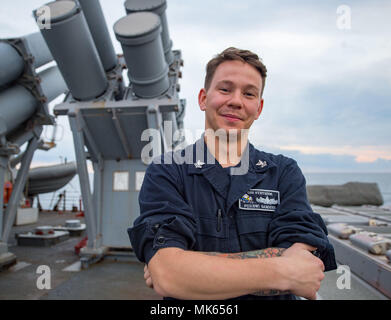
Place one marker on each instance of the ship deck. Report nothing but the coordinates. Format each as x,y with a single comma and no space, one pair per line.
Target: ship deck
106,280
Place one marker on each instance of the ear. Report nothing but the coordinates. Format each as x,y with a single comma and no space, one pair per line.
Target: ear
260,108
202,99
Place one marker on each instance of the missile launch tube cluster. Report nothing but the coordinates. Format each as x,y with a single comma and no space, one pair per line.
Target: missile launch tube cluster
80,43
17,102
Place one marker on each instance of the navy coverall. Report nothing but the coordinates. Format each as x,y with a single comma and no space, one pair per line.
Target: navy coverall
200,206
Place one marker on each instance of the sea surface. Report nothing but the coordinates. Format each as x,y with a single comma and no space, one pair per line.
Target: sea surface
383,180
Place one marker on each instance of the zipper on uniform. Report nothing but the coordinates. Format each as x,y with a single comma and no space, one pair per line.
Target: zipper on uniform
219,220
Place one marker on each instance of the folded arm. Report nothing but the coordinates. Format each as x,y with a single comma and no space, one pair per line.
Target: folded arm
255,254
185,274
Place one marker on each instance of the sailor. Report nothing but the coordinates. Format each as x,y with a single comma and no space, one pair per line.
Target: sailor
217,224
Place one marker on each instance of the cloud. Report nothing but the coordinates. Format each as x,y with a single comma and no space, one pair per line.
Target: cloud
331,162
362,154
333,114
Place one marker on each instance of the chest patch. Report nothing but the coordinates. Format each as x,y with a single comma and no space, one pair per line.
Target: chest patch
261,200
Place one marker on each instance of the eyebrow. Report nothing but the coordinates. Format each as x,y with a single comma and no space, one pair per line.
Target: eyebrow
228,82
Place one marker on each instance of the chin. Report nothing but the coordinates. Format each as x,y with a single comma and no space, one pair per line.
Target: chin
230,131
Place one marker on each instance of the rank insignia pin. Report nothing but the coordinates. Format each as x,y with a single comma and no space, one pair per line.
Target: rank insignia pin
262,163
199,164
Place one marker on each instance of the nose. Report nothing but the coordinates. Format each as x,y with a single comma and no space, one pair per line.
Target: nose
236,99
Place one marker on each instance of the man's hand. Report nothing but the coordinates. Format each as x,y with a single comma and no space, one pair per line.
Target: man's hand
302,270
147,277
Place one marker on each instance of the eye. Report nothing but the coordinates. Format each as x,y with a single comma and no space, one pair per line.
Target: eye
249,94
224,89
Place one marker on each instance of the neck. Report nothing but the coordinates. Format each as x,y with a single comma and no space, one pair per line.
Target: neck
226,147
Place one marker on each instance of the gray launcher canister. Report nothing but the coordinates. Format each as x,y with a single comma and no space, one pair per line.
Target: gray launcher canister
12,63
70,42
138,34
17,104
159,7
38,49
93,13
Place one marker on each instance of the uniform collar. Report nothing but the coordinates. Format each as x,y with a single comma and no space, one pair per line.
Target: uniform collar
259,161
204,161
205,164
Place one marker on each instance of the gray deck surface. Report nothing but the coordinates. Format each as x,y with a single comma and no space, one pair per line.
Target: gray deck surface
108,279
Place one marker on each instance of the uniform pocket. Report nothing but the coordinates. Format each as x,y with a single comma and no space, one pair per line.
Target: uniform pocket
211,234
252,230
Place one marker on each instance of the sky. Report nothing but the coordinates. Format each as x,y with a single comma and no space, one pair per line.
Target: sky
327,96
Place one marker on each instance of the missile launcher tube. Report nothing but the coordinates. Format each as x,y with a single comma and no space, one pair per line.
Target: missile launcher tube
11,64
17,104
158,7
52,83
138,34
71,44
96,22
38,49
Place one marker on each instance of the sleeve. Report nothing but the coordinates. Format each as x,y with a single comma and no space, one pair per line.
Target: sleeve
294,221
165,220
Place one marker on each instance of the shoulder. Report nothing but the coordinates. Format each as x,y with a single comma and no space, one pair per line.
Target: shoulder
169,164
285,169
279,160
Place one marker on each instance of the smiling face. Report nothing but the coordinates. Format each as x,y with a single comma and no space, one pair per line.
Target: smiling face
233,99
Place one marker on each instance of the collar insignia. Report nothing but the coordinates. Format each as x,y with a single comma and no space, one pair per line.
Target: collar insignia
261,163
199,164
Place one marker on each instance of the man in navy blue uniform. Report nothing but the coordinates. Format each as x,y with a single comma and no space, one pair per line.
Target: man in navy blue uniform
221,219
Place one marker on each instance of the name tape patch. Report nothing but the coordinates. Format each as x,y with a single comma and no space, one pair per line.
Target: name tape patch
258,199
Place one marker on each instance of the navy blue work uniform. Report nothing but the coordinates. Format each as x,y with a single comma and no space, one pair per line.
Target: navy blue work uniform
201,206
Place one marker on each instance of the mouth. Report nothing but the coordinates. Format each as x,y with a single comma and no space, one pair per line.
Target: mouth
231,117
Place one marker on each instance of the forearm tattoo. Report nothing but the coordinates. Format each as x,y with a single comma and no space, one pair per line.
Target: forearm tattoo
256,254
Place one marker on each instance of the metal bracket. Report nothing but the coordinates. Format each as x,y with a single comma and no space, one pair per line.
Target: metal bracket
82,170
18,187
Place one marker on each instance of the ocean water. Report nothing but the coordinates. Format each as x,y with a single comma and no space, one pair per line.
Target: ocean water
383,180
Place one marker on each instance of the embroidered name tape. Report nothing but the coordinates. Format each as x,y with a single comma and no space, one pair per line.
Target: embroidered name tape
261,200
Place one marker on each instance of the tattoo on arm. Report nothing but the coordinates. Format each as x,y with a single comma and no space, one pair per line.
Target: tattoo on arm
256,254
